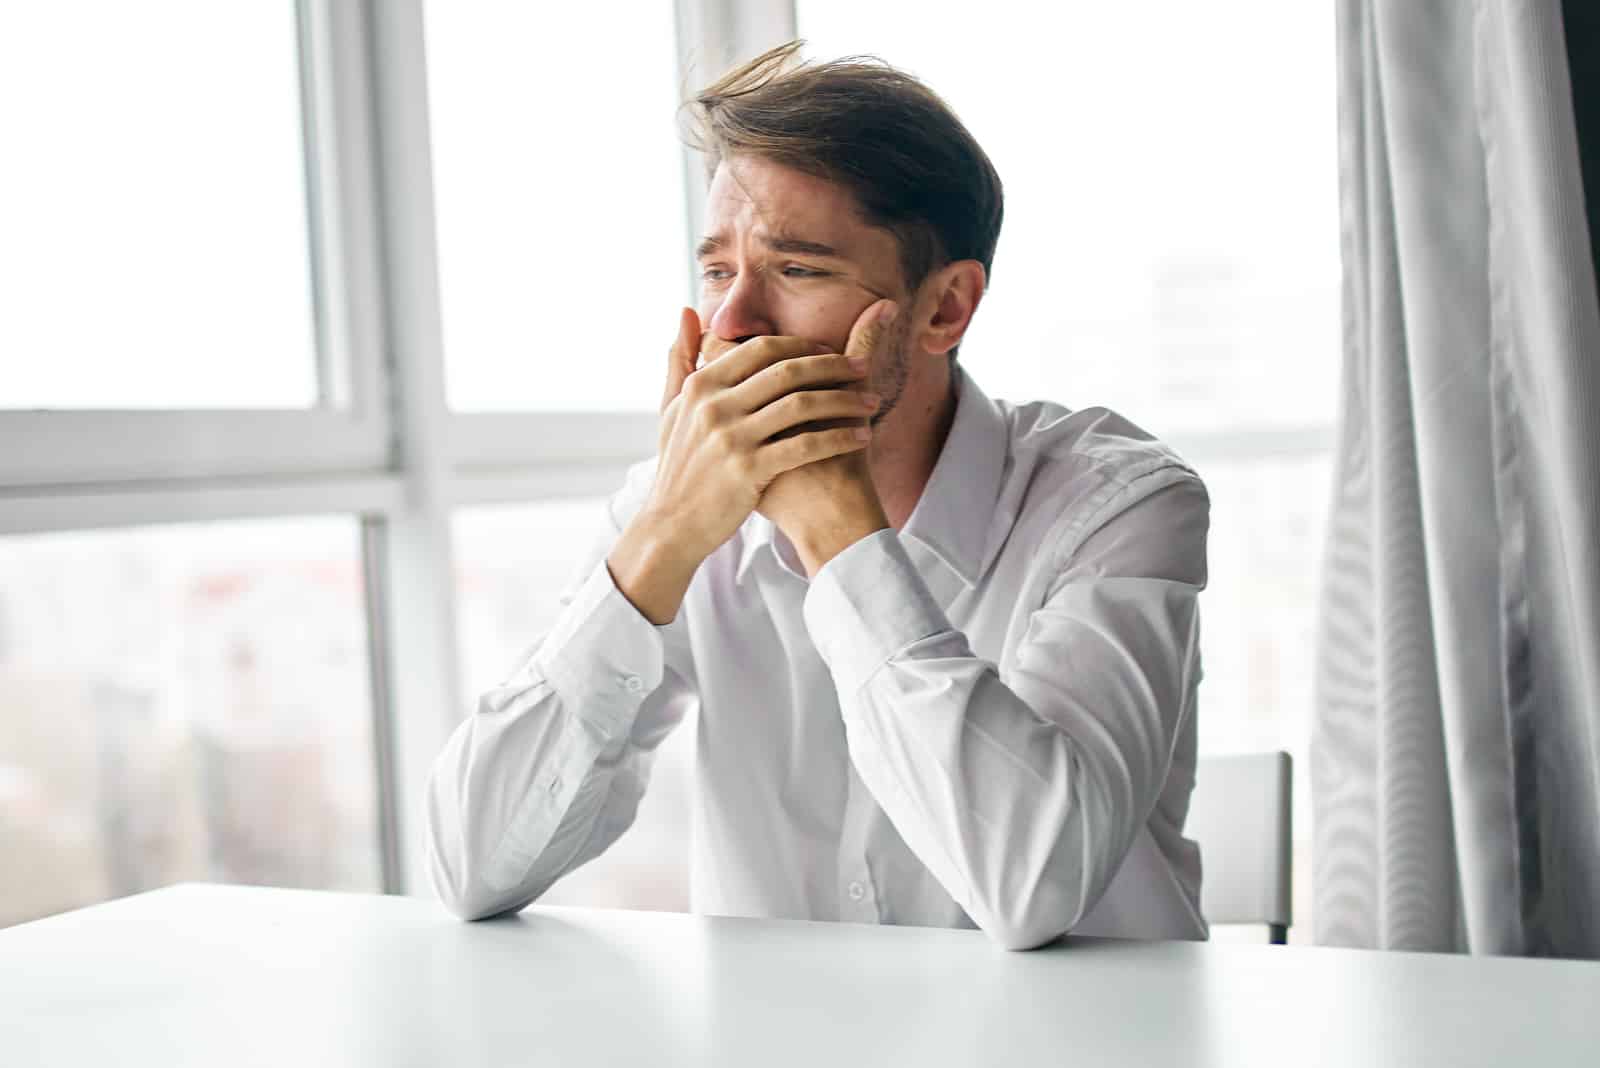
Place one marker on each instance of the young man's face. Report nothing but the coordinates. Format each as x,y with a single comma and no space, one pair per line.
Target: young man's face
788,253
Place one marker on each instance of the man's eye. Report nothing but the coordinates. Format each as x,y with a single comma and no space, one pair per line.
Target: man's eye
714,274
802,272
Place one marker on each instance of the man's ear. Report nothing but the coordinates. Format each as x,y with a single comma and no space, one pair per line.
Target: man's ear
953,292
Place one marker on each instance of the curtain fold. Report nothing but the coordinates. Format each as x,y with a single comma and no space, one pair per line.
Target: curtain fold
1456,745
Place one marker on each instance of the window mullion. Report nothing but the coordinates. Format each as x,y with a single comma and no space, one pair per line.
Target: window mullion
415,606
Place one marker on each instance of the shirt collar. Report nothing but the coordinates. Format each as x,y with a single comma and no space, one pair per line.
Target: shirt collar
956,513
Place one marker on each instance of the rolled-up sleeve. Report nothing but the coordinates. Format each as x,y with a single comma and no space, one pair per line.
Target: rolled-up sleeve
1021,786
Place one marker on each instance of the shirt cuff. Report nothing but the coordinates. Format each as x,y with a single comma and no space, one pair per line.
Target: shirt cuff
602,656
867,604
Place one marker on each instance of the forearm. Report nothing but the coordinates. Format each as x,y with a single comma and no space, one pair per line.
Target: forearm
1018,823
1020,794
553,757
508,799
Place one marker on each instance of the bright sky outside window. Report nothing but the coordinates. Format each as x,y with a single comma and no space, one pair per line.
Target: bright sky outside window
154,217
558,179
1170,246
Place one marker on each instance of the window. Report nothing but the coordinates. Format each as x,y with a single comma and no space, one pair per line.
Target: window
184,702
563,250
307,260
156,248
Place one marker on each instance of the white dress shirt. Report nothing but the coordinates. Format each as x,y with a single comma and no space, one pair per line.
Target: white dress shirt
985,719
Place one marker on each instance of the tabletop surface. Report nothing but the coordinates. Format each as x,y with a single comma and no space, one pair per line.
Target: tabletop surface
209,975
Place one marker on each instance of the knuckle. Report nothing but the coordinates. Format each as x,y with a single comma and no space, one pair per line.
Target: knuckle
708,419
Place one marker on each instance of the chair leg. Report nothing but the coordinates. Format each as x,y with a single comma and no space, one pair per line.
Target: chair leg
1278,934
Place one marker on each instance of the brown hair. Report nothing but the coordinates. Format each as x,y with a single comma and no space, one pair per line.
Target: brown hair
883,135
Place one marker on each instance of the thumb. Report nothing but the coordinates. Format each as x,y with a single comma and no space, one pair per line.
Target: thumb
871,329
682,356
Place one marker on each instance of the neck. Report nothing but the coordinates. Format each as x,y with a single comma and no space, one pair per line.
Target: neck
907,443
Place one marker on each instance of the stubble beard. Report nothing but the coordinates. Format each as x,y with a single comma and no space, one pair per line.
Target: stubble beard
888,378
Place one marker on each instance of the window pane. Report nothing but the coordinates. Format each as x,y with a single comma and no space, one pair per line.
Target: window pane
1259,623
154,210
1170,246
183,703
559,189
513,563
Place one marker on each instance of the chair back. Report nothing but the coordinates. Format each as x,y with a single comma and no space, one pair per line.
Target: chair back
1239,813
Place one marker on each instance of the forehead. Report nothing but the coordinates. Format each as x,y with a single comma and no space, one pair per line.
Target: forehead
749,195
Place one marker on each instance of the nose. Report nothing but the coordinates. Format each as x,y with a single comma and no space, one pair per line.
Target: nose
744,311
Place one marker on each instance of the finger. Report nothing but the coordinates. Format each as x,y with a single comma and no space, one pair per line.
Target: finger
681,357
871,330
796,373
777,457
712,346
755,355
809,406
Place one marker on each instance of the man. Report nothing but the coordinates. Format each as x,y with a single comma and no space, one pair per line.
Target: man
944,650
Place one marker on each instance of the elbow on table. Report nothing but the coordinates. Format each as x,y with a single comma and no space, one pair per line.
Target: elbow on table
471,902
1025,932
1018,919
463,894
468,907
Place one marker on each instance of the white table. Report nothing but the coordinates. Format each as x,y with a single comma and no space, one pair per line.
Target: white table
209,975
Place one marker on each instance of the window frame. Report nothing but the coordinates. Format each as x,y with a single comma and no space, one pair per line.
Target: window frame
383,446
349,429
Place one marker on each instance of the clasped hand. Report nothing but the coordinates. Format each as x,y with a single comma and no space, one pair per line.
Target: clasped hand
775,423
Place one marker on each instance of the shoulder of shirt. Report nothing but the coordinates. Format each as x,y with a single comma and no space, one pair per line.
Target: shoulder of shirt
1085,466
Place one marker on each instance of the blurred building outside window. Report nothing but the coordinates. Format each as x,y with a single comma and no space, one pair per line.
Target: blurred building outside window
184,703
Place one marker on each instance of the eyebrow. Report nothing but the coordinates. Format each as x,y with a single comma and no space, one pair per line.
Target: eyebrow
781,243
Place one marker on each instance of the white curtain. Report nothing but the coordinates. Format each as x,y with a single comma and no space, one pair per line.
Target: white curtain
1456,750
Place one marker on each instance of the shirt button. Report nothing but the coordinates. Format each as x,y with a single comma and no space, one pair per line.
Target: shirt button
632,683
857,891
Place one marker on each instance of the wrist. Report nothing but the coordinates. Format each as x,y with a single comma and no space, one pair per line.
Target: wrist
652,568
829,531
